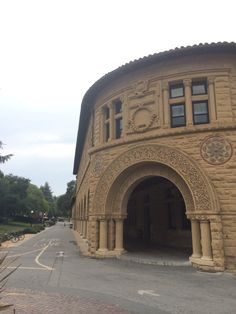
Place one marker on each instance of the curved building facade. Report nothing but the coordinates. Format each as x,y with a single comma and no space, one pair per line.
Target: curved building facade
155,157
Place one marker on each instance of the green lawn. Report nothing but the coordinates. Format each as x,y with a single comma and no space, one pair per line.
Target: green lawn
13,226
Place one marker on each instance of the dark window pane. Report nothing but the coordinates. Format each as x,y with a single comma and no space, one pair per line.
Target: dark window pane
178,111
199,119
177,115
176,90
118,127
179,121
107,113
199,88
118,106
200,107
200,112
107,131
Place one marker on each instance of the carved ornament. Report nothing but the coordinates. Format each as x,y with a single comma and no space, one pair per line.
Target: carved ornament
97,166
216,150
200,189
142,119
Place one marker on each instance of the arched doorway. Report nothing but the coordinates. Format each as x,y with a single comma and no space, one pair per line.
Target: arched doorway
138,164
156,218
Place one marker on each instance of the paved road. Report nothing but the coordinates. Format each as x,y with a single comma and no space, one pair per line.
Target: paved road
55,278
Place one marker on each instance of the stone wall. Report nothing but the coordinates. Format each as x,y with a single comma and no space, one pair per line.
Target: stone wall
212,146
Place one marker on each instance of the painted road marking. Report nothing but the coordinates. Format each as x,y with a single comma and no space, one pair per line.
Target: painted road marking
61,254
150,292
29,268
22,254
37,258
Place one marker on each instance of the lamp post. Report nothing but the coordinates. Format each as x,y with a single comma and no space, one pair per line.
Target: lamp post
31,217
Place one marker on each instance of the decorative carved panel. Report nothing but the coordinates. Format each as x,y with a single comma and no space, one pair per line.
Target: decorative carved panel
97,166
142,119
143,107
216,150
200,189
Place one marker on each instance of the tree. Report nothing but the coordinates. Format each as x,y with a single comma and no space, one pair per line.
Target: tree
47,192
64,202
36,201
48,195
6,157
13,192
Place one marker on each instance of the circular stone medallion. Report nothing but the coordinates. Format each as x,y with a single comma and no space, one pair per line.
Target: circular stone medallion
98,166
216,150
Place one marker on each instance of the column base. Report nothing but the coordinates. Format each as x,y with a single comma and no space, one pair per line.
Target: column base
119,251
102,252
196,256
206,258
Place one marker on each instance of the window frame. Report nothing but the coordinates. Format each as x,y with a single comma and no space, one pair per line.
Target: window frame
199,83
172,85
171,117
204,114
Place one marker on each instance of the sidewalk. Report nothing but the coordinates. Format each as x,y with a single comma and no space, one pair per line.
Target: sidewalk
31,302
8,244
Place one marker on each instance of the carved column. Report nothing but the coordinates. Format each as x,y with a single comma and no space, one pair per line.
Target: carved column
103,236
212,102
119,235
101,124
188,101
85,228
111,234
206,240
112,122
165,87
196,238
82,228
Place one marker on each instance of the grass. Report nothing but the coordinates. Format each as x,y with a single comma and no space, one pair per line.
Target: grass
15,226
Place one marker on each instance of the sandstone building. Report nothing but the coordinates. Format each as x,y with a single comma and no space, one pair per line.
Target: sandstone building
156,156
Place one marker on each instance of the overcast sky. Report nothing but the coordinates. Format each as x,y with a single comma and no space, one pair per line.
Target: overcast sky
51,52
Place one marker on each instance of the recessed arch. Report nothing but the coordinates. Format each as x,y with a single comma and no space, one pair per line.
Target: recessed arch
119,193
200,196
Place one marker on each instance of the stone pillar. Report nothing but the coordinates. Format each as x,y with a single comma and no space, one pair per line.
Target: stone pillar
212,102
196,238
82,229
206,240
103,236
111,235
119,235
85,228
188,101
165,87
112,122
101,122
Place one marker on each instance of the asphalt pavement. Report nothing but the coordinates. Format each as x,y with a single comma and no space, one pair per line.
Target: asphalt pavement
54,277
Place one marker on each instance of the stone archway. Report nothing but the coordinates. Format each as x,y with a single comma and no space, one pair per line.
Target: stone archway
156,220
118,180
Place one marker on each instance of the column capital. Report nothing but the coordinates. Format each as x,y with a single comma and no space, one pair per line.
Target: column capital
211,80
187,82
165,85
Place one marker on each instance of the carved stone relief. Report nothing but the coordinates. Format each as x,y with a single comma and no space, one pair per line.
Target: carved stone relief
216,150
201,191
142,119
118,203
142,107
97,166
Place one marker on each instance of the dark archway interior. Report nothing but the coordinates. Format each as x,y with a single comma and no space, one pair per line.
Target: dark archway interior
156,217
